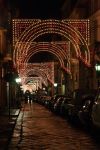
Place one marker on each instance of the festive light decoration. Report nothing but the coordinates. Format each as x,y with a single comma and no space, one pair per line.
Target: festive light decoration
32,83
36,72
60,49
43,70
61,27
20,25
82,26
25,32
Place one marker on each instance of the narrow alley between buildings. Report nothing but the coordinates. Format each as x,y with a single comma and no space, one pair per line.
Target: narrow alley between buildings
37,128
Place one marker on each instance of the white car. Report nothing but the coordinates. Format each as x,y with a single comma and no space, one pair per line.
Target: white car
95,114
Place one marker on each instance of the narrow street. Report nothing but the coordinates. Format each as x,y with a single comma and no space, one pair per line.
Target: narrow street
39,129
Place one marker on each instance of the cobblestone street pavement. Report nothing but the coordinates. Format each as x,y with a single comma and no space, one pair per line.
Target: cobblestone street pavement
39,129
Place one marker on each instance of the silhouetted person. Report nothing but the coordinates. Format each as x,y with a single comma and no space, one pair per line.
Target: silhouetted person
27,95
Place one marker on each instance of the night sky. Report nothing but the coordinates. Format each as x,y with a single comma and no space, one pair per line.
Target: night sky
33,9
42,9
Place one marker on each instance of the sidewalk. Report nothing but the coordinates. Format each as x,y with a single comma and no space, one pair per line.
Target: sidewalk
7,123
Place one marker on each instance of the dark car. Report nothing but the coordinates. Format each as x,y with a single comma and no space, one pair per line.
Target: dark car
57,104
53,101
95,112
79,98
64,106
86,109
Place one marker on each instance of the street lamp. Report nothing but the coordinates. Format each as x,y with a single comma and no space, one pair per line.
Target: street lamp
97,68
55,84
18,80
55,89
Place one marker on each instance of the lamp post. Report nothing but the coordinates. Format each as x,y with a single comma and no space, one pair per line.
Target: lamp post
18,81
55,87
9,76
7,61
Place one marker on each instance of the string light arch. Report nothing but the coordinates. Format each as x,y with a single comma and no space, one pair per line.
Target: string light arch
36,72
60,49
43,70
65,28
29,82
59,27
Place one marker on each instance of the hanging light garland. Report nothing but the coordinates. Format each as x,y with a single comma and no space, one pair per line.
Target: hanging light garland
61,27
43,70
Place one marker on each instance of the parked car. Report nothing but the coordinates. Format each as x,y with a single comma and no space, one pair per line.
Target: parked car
77,103
47,101
57,104
86,109
53,101
95,113
64,106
